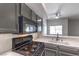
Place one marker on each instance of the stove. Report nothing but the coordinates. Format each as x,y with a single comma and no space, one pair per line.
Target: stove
27,47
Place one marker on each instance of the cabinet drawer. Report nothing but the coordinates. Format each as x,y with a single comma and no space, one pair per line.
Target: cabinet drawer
71,50
50,46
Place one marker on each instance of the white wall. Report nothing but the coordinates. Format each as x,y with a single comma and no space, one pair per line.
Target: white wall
5,42
44,32
63,22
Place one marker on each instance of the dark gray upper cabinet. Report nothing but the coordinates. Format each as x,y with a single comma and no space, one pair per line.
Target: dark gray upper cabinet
8,17
39,24
33,16
26,11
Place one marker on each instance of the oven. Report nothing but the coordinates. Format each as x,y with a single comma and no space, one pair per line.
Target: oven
26,47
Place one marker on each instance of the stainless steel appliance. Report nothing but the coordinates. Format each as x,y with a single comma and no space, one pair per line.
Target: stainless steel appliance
27,47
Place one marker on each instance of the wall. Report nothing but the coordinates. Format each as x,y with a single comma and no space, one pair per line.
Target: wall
63,22
44,32
5,42
73,27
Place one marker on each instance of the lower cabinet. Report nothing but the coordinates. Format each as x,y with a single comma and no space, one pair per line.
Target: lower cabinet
50,52
50,46
40,50
65,54
51,49
60,50
70,51
43,53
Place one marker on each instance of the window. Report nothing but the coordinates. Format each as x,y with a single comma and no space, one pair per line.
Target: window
56,29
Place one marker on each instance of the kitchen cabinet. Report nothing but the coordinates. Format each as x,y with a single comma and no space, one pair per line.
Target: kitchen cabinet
69,50
28,22
26,25
9,17
33,16
43,53
60,50
26,11
51,49
50,52
39,24
50,46
65,54
40,50
38,20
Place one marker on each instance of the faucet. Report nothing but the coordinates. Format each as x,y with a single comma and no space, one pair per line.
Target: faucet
57,37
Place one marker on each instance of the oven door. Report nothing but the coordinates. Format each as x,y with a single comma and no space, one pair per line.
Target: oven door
20,42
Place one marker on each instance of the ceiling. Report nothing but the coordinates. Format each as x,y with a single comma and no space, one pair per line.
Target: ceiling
48,10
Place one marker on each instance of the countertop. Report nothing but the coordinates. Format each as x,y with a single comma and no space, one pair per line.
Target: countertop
64,42
71,41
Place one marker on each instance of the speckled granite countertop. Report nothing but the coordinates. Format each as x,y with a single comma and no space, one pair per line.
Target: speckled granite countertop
65,42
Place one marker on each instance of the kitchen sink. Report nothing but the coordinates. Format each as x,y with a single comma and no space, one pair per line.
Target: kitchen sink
61,42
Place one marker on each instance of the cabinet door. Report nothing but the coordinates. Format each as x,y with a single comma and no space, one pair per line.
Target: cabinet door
43,53
50,52
39,24
26,11
33,16
8,17
50,46
71,50
65,54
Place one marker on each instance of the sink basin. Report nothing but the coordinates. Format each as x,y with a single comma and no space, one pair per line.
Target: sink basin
59,42
52,40
64,42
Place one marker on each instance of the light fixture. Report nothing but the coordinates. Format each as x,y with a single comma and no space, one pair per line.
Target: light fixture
39,20
57,17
